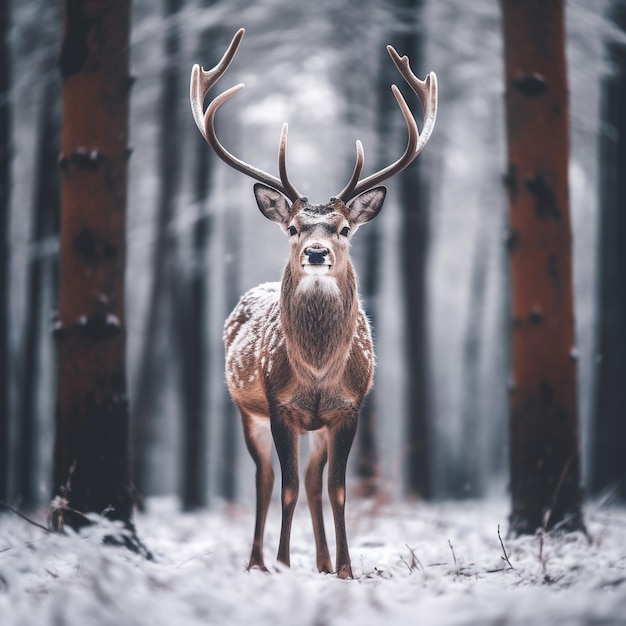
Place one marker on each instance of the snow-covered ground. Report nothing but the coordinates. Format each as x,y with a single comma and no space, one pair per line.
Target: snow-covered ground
424,564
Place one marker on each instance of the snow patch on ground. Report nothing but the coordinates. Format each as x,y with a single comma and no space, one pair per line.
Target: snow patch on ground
432,564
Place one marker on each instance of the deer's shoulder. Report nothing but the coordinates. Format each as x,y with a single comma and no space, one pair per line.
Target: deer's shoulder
252,312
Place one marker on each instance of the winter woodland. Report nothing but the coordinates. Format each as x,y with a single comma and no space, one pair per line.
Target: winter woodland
196,241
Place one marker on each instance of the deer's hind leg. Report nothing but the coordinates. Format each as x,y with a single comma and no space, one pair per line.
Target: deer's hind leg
258,438
318,455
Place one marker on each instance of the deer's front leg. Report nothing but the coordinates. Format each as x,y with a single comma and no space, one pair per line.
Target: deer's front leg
339,444
286,442
318,456
259,442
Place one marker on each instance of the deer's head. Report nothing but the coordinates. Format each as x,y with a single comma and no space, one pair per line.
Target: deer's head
319,234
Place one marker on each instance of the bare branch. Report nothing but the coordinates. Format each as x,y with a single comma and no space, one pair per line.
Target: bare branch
24,517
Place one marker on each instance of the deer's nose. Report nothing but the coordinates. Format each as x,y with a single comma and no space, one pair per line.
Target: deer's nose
317,256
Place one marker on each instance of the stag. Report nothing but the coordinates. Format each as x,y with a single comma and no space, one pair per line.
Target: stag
299,355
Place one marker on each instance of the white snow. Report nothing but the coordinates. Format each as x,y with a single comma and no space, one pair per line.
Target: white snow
425,564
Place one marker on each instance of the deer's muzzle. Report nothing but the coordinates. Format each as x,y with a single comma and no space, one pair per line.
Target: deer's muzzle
316,260
317,256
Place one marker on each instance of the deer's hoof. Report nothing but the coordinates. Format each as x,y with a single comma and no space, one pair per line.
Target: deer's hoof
324,565
257,565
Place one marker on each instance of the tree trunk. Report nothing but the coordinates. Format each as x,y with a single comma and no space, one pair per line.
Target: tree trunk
193,317
45,229
467,479
5,176
91,469
190,320
154,362
413,246
544,418
232,238
609,460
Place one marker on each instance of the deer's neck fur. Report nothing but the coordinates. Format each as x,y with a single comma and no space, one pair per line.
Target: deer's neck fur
319,318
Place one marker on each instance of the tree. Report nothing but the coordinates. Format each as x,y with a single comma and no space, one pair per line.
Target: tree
91,469
192,314
609,461
5,172
544,419
414,233
154,364
42,269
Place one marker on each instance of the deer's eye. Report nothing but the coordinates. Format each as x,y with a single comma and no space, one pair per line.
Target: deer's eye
292,231
344,231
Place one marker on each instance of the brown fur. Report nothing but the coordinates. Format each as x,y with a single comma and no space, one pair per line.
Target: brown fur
299,358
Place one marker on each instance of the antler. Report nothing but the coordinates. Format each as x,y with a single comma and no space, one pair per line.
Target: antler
201,83
426,91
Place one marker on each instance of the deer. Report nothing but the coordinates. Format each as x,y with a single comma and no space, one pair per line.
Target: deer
299,354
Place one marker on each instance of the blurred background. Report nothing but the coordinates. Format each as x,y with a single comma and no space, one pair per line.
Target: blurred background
432,266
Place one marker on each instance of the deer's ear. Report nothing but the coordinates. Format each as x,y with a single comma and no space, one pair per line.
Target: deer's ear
366,206
272,203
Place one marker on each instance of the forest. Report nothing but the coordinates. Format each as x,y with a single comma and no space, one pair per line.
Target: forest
488,457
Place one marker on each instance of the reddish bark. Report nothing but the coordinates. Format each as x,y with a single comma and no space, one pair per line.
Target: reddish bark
544,417
91,451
